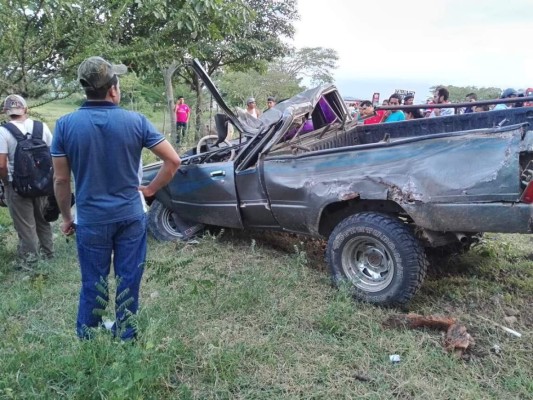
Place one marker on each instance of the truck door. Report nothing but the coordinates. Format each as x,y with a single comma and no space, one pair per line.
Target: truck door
206,193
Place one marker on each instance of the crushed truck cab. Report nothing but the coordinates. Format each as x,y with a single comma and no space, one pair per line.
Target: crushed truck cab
380,194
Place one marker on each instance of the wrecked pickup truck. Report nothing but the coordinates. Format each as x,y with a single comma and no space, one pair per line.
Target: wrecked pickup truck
380,194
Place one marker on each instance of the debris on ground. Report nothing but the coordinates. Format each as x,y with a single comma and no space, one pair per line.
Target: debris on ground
413,321
508,330
394,358
457,339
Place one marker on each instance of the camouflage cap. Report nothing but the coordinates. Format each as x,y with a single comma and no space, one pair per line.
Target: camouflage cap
96,72
15,105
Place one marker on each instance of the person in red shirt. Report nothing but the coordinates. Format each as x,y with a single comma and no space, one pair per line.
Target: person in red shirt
182,118
368,115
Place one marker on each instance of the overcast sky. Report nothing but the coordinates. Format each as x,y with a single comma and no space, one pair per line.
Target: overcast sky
385,45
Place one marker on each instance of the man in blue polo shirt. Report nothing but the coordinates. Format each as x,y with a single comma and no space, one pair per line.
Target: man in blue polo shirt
101,144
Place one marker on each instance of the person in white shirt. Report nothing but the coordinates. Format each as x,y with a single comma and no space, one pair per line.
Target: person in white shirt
251,108
441,96
34,232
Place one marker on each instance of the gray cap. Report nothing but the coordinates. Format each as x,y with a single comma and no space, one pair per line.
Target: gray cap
96,72
15,105
250,100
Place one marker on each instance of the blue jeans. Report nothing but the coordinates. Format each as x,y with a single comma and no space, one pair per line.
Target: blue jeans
126,240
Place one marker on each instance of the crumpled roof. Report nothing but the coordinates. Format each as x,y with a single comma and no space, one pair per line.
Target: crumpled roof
298,105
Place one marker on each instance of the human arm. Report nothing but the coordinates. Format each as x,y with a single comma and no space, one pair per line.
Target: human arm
446,111
171,163
3,167
63,193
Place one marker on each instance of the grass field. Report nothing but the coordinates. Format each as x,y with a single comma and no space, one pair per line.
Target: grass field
244,315
251,315
50,112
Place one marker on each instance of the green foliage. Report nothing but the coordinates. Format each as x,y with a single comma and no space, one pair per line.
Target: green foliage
44,41
238,86
315,63
458,93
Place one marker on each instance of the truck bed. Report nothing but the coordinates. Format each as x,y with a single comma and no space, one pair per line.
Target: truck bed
352,135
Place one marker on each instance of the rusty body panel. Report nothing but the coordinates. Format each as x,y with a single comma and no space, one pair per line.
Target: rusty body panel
424,177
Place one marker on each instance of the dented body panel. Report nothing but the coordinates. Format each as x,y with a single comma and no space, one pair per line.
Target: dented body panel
437,171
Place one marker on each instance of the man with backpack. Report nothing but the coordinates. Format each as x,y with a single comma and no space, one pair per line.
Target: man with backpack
26,177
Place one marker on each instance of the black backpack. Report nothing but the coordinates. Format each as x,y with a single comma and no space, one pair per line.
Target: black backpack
33,173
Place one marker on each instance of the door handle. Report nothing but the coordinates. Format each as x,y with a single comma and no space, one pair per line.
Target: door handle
218,173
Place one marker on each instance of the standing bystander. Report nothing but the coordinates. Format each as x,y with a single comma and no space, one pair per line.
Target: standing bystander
101,144
182,118
408,100
441,96
394,115
368,115
34,232
271,102
470,98
506,94
251,108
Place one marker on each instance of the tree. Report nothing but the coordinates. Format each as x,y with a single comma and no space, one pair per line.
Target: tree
38,45
315,63
282,78
156,36
238,85
252,42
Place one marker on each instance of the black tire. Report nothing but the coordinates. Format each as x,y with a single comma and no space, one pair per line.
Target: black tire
161,225
378,256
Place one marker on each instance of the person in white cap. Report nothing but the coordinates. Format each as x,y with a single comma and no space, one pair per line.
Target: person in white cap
101,144
251,108
34,232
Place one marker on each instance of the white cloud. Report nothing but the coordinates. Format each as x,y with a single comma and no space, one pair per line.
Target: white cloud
477,42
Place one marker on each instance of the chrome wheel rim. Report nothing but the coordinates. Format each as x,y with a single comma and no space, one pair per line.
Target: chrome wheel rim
168,223
367,263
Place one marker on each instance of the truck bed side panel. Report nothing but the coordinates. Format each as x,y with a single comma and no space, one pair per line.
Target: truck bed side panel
476,167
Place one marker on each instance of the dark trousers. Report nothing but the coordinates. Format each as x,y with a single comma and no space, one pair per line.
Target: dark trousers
181,129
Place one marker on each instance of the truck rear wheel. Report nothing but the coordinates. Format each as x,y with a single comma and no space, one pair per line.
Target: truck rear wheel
161,225
378,256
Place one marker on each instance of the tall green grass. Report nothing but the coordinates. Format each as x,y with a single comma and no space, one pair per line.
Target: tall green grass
243,315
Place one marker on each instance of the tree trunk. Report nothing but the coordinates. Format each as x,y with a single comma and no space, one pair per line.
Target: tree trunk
200,132
168,72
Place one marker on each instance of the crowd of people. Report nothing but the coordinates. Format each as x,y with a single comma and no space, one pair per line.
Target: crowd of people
366,113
